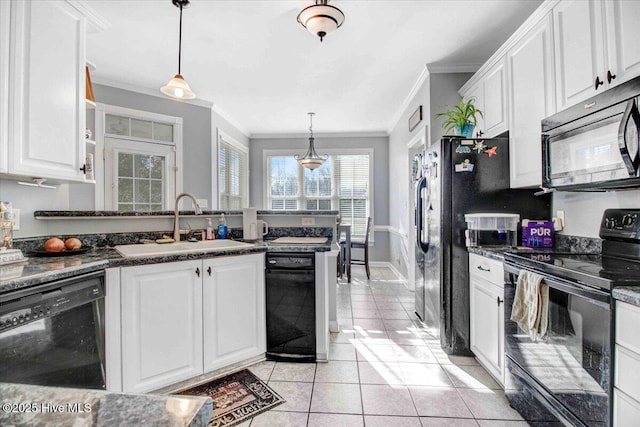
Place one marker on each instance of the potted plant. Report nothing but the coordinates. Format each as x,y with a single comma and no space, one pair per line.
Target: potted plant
461,118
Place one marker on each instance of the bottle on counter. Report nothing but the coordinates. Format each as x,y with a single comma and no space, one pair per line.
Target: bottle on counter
223,230
210,235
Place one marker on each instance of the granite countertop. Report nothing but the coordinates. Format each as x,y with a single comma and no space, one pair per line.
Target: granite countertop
56,406
36,270
628,294
493,253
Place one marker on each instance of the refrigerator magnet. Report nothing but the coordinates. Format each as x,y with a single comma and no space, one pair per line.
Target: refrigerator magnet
479,146
463,149
465,166
493,151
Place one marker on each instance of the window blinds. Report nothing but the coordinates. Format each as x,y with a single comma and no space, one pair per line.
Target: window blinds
232,177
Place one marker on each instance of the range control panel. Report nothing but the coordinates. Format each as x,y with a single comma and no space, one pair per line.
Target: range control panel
621,224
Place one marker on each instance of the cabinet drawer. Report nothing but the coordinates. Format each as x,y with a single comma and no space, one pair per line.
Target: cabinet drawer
486,268
627,376
626,411
627,321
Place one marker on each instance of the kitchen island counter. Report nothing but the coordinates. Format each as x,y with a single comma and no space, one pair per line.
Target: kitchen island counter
56,406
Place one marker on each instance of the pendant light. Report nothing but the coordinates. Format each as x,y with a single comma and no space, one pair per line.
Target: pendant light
177,86
321,18
311,159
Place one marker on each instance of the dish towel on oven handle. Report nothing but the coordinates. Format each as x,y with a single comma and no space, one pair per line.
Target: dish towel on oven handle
530,308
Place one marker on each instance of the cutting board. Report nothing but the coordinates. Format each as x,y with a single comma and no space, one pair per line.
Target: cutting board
300,240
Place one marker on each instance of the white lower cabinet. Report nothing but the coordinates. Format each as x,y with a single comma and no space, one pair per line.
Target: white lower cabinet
182,319
487,313
161,324
626,392
233,310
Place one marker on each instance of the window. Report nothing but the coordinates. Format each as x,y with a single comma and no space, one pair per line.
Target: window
232,174
141,152
342,183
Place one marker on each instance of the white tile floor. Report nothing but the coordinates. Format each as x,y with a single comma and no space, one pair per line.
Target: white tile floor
386,369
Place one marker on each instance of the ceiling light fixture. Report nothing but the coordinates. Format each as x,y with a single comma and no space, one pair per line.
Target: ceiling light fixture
321,18
311,159
177,86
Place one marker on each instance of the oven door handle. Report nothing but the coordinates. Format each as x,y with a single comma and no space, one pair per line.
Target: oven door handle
572,288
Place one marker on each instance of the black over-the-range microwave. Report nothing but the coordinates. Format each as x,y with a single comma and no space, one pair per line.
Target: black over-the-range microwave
595,145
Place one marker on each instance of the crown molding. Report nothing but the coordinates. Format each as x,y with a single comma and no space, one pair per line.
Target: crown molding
147,91
538,15
364,134
98,22
424,74
233,122
435,68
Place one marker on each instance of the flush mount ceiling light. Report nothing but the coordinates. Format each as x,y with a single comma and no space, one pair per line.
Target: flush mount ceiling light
311,159
321,18
177,86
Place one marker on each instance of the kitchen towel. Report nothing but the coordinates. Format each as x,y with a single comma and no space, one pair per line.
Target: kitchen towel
530,308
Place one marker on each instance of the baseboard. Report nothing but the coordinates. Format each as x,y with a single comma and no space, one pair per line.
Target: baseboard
333,326
390,266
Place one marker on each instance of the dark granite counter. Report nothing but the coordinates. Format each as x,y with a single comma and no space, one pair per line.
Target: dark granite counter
24,405
628,294
36,270
493,253
152,214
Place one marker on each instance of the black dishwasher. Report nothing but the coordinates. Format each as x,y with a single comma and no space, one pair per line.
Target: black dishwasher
291,306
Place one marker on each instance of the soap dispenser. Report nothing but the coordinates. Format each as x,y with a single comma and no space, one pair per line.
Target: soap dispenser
223,231
210,235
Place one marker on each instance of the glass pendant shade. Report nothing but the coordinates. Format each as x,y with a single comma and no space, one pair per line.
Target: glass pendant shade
178,88
321,19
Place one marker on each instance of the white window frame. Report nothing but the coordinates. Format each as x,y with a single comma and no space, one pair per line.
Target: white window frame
101,110
222,135
266,167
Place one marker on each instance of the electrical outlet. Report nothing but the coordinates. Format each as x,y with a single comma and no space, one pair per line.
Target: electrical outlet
560,216
308,220
16,219
203,203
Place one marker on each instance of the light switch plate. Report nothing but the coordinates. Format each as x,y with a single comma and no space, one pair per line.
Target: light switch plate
203,203
308,220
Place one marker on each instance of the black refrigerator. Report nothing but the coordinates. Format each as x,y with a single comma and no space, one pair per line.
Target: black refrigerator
461,176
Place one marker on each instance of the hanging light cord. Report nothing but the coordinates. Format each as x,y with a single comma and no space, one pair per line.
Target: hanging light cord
180,41
311,124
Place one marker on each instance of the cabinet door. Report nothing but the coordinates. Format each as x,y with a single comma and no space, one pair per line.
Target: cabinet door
161,324
622,33
579,50
486,321
530,65
495,101
4,84
234,310
47,112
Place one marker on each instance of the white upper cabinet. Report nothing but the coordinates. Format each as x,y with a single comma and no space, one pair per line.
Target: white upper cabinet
4,84
490,94
531,90
495,101
623,40
47,90
596,47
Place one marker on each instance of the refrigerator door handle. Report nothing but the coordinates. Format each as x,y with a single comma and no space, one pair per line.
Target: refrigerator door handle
420,212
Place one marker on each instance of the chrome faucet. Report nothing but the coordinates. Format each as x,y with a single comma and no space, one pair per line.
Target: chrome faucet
176,218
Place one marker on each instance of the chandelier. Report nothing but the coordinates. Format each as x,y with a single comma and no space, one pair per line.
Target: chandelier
311,159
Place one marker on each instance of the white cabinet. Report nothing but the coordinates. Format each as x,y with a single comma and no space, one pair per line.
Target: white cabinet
234,310
46,90
161,324
487,313
181,319
490,94
531,91
595,47
4,84
626,392
495,101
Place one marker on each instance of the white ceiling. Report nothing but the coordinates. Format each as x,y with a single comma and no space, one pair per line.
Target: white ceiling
253,61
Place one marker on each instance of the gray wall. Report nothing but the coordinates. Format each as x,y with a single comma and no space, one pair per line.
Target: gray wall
380,252
444,93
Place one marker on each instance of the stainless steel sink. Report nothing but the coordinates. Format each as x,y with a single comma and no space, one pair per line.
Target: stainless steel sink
155,249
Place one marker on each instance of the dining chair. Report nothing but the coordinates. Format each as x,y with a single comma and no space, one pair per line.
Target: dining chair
362,244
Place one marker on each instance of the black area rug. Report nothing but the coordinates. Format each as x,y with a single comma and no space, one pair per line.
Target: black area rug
236,398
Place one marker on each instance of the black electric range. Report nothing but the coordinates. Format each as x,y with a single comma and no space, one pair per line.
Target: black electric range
565,376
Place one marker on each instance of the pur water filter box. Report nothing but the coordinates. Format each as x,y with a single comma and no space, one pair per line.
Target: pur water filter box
537,234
